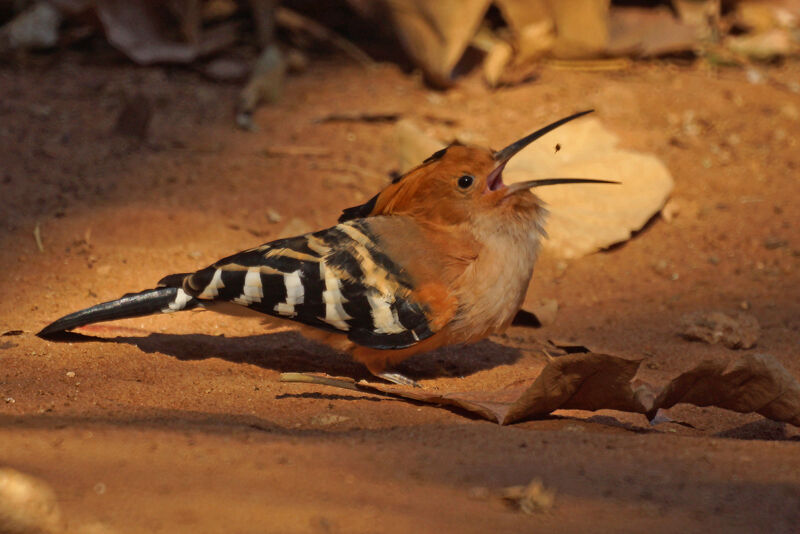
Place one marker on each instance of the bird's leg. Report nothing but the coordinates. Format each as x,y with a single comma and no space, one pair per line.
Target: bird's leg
399,379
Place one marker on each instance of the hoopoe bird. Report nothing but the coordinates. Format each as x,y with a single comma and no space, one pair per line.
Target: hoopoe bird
441,256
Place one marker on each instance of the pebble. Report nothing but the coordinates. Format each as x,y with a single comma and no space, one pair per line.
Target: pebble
273,216
70,374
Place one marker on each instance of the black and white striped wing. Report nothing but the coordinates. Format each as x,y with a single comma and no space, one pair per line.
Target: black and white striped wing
336,279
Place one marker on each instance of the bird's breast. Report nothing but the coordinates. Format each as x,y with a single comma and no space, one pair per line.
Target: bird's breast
491,291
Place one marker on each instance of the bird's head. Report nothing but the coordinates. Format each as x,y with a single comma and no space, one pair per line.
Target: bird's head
458,183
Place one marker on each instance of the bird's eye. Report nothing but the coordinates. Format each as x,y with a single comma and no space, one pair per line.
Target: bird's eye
465,181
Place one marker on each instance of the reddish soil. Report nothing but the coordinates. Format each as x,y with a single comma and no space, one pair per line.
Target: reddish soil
183,426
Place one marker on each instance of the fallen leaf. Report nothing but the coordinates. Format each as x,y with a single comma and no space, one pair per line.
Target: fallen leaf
496,61
586,381
35,28
265,85
136,29
737,330
581,27
649,32
754,383
436,34
592,381
531,499
763,46
27,505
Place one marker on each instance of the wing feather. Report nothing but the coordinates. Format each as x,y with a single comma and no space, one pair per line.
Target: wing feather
337,279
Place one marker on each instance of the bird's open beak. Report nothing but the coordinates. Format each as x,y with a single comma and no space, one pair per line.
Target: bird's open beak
494,181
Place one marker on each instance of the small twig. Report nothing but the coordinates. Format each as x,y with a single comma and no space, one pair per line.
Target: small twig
589,64
296,150
37,235
320,380
296,21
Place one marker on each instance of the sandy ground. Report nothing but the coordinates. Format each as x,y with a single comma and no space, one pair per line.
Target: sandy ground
181,425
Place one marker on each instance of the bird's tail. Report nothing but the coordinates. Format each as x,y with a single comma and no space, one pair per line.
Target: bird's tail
159,300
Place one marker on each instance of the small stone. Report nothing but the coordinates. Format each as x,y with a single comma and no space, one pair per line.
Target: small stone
754,76
745,305
70,374
713,260
10,400
273,216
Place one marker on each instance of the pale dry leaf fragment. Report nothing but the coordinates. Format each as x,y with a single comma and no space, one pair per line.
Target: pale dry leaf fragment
265,85
763,46
27,505
135,28
532,27
496,61
531,499
34,29
737,330
582,27
754,383
436,34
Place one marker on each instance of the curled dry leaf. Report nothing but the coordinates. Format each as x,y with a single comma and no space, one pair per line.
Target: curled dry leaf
586,381
755,383
591,381
436,34
136,29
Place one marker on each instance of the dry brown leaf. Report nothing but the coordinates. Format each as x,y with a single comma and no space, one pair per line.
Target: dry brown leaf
436,34
27,505
582,27
136,29
649,32
586,381
531,499
754,383
591,381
